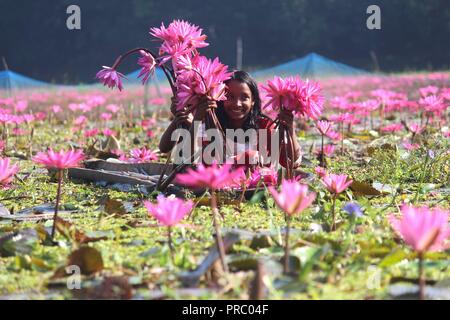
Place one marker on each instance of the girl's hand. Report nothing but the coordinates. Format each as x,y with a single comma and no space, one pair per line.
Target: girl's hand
205,104
184,116
287,119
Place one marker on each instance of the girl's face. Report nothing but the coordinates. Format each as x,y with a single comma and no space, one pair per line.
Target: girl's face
239,101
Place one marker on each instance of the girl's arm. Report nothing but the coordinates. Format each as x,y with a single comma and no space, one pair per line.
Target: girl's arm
166,144
182,117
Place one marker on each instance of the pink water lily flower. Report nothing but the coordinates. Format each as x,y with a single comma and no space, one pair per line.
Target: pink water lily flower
147,123
179,38
7,172
59,160
150,133
110,77
91,133
320,171
112,108
268,176
108,132
203,77
410,146
303,98
433,104
56,109
211,177
333,135
336,183
106,116
293,197
429,90
148,65
422,228
343,117
40,116
143,155
21,105
169,211
392,127
323,126
278,92
80,120
311,99
328,149
415,128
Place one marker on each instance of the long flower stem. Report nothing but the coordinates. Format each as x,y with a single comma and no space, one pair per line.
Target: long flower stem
5,137
412,137
283,134
166,166
371,121
166,72
290,141
333,226
422,178
284,143
286,247
58,197
322,160
421,278
244,187
169,233
219,239
427,120
30,144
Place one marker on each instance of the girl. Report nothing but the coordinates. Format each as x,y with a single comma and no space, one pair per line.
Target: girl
241,110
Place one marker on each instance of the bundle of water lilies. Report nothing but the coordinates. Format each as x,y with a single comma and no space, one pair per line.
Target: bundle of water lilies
190,74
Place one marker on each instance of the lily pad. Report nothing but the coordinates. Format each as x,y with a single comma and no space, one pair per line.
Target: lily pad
365,189
88,259
393,258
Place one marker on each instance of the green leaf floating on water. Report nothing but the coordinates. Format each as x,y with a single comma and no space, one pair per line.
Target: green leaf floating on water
393,258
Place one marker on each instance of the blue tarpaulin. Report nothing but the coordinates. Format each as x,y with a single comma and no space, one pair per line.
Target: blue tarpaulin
10,80
312,65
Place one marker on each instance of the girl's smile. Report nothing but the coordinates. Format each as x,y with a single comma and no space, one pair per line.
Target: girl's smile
239,101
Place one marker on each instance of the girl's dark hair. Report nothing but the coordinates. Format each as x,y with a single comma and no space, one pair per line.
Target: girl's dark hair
255,113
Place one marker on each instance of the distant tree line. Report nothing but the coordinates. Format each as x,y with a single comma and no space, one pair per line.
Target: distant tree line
35,41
